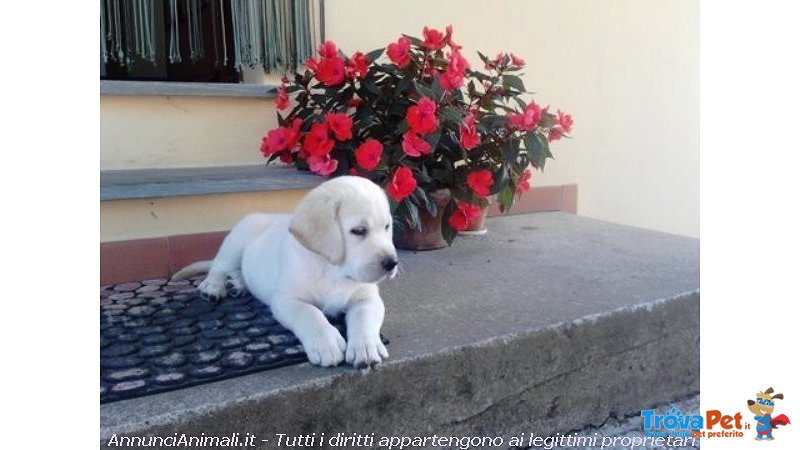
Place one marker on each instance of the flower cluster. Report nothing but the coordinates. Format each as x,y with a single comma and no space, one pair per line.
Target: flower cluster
422,121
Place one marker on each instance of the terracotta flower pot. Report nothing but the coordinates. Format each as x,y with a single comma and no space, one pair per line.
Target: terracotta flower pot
430,235
477,226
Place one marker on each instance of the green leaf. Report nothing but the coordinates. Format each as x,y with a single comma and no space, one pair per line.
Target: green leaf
483,58
538,149
510,151
471,89
393,205
423,90
413,214
424,200
370,87
373,55
436,89
514,82
402,127
506,199
480,76
433,139
452,116
548,120
448,233
414,40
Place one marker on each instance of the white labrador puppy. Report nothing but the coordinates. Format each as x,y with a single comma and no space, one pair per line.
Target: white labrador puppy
326,258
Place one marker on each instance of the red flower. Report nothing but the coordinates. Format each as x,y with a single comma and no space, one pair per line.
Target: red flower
330,71
328,50
354,102
422,116
529,118
434,39
282,101
286,157
312,64
524,184
357,66
449,38
517,61
469,135
451,80
281,138
480,181
495,62
414,145
554,134
341,125
457,62
368,154
453,77
402,185
322,165
399,52
317,142
565,120
465,213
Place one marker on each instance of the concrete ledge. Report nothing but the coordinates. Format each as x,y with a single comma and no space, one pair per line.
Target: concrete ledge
167,88
158,257
548,323
159,183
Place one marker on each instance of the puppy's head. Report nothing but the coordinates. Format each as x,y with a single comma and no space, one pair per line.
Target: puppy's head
347,222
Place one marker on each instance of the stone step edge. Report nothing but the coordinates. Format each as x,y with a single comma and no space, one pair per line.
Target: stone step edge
556,378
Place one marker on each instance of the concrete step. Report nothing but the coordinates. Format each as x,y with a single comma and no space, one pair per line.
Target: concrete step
550,322
160,183
149,217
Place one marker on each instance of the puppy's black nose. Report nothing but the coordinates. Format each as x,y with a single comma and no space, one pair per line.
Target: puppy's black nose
388,264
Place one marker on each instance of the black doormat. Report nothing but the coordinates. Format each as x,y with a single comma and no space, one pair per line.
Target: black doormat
156,336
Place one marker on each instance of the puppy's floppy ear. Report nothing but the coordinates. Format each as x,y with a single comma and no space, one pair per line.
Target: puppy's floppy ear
315,224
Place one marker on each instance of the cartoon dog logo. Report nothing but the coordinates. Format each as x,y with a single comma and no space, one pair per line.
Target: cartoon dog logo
762,407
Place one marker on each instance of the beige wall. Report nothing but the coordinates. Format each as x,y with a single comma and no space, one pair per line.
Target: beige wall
123,220
162,132
626,70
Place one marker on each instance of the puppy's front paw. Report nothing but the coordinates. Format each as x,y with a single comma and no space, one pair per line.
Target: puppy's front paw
325,347
235,287
363,352
212,289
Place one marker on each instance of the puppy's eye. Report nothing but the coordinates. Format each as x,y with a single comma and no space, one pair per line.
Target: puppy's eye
386,227
359,231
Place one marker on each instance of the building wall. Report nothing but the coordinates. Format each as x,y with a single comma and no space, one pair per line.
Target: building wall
626,70
168,132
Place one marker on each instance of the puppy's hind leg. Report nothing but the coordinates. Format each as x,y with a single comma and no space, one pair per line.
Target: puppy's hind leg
228,262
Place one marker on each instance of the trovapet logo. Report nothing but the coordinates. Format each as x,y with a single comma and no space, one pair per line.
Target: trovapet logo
716,424
674,423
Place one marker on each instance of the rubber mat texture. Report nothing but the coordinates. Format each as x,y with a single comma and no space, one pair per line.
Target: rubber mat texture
160,335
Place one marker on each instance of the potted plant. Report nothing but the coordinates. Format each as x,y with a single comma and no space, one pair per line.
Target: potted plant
439,136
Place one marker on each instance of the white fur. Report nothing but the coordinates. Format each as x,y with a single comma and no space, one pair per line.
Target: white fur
309,264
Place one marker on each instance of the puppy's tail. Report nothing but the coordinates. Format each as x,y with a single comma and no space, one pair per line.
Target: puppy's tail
192,270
